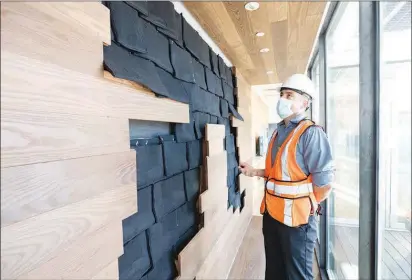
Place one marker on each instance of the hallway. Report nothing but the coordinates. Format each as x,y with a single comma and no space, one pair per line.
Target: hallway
250,259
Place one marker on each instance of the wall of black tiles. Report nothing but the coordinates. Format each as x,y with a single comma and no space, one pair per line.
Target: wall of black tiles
153,45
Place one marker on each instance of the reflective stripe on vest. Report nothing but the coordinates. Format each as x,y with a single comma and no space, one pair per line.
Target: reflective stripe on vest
290,190
289,194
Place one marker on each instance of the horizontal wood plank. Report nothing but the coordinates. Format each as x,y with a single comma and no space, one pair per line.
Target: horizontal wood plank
30,243
33,137
30,190
86,257
66,34
53,89
215,131
110,272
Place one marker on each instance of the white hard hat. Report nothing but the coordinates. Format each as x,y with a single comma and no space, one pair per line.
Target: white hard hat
301,84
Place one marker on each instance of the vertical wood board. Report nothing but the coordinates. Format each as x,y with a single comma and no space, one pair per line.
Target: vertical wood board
215,131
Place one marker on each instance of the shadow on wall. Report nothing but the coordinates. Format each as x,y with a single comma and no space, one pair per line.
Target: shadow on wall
154,46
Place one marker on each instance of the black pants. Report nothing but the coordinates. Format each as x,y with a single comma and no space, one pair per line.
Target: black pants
289,250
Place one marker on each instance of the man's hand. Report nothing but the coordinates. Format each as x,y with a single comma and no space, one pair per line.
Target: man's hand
247,169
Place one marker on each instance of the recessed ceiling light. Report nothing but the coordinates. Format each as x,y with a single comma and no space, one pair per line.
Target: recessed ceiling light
269,72
260,34
264,50
252,6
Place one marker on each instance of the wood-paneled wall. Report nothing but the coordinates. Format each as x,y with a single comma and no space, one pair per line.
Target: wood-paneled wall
68,176
220,259
230,227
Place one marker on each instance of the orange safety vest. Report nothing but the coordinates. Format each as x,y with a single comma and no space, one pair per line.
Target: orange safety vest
289,196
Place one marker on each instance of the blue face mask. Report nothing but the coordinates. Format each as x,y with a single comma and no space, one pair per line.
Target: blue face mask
284,108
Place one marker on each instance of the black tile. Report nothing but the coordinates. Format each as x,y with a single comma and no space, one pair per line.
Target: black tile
144,141
219,87
140,6
185,131
200,77
242,200
157,48
214,62
127,26
195,44
224,108
176,31
135,261
149,164
231,179
165,234
228,93
161,14
235,113
182,63
213,120
175,88
204,53
214,83
226,122
204,101
168,195
161,240
122,64
192,183
222,68
174,155
201,119
229,76
194,153
234,197
163,269
143,219
197,96
211,81
230,144
213,105
231,160
184,240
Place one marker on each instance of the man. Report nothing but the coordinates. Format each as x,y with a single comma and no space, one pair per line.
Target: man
298,174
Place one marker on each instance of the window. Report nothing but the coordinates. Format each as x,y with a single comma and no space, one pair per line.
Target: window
342,101
314,75
395,141
315,78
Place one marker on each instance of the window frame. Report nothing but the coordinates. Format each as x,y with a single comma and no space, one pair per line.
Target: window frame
369,85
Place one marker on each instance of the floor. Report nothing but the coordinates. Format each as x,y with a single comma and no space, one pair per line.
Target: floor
396,253
250,259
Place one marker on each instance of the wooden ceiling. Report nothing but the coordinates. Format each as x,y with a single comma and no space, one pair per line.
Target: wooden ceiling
290,29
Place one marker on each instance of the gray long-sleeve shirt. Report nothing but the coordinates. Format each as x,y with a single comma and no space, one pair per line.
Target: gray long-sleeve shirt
313,155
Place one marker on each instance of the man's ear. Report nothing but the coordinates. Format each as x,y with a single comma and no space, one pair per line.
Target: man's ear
305,103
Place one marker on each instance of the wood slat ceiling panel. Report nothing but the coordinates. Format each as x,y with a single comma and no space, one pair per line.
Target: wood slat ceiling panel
290,29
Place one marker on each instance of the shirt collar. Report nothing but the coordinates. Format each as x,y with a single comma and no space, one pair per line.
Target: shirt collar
295,120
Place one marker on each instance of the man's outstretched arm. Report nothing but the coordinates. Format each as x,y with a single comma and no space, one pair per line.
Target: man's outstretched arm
248,170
